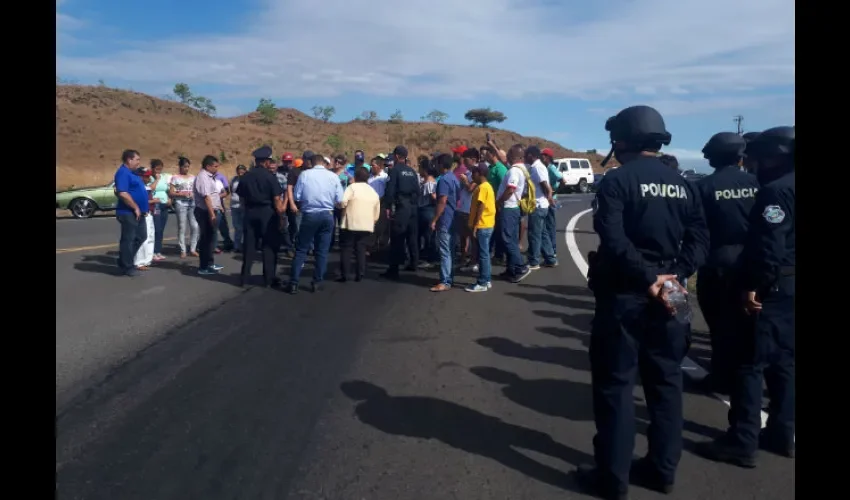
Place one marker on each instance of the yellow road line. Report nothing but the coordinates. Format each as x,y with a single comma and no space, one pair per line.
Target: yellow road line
96,247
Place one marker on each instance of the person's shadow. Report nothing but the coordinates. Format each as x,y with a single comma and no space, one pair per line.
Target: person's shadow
462,428
556,398
564,356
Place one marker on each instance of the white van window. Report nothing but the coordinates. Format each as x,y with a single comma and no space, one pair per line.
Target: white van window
585,164
574,164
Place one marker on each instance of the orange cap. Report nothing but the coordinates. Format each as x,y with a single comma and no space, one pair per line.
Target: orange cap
298,163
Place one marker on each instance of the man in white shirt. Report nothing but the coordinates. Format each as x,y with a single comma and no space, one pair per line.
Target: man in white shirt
539,240
378,179
510,215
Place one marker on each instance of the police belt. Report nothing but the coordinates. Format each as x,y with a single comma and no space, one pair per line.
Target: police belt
605,274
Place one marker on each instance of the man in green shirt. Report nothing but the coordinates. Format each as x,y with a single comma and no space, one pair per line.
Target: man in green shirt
497,171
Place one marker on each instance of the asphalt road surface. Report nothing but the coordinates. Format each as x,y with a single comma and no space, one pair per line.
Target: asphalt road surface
173,386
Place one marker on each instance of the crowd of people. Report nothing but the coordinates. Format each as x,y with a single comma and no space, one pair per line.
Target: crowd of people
464,210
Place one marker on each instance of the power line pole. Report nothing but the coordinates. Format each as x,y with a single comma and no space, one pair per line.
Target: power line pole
739,121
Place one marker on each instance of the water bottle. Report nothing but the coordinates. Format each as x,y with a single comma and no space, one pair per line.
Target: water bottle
679,301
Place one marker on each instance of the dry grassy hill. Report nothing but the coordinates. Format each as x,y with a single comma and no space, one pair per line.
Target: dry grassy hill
94,124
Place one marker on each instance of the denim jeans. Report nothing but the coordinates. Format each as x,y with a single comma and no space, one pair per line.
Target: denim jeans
539,239
159,222
511,219
293,221
428,245
446,240
552,229
314,231
483,237
133,234
186,219
237,215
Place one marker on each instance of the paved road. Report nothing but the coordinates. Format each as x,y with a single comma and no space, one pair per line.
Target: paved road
200,390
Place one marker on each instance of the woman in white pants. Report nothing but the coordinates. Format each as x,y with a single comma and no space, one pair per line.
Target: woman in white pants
144,256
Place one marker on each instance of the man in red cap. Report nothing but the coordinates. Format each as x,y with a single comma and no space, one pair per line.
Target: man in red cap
547,156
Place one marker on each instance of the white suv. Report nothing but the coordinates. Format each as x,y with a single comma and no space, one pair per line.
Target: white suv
576,174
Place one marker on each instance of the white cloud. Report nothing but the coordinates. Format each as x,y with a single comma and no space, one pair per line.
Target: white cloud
662,47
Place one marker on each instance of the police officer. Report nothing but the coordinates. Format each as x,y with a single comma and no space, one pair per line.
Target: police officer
402,196
727,196
261,197
651,231
749,162
768,281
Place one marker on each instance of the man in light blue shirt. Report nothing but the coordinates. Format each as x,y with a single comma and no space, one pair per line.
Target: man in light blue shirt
317,192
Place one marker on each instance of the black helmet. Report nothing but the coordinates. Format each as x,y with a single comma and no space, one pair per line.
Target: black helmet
749,136
776,141
724,145
638,125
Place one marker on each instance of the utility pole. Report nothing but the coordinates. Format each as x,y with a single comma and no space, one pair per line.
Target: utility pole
739,120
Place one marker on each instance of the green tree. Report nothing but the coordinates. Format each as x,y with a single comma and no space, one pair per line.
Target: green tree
267,110
396,117
181,90
484,116
369,117
324,113
436,116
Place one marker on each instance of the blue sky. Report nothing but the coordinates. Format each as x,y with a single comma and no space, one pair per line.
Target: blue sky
557,69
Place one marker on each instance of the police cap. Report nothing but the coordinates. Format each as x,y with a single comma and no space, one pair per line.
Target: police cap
400,151
637,126
776,141
307,155
724,145
262,153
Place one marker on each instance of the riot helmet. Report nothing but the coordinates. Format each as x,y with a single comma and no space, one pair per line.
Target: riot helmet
749,162
724,149
773,152
636,129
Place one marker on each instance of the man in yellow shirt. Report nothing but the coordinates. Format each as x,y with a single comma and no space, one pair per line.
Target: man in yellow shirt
482,220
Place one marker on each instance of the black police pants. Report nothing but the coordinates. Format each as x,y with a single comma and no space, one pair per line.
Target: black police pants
632,334
721,306
405,235
265,223
767,355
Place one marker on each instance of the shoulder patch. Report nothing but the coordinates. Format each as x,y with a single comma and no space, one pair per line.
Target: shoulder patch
773,214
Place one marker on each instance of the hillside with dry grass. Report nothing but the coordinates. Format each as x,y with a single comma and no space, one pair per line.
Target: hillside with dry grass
94,124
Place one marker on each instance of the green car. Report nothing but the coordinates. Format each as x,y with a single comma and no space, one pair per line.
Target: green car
84,202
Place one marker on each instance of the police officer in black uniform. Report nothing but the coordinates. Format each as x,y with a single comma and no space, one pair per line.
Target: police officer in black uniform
727,196
651,231
260,193
768,282
402,197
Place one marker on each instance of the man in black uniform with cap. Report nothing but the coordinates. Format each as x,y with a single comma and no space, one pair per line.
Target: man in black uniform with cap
749,162
651,231
727,197
767,354
261,196
402,193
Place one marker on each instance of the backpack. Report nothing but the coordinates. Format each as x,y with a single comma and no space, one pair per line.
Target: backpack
528,202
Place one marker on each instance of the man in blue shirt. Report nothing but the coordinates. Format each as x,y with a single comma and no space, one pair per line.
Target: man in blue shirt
132,205
448,188
316,193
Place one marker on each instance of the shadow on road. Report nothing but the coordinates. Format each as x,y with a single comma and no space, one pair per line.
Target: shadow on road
564,333
106,264
580,291
546,298
562,356
462,428
580,321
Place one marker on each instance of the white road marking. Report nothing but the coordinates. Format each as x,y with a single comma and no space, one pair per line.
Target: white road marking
692,369
150,291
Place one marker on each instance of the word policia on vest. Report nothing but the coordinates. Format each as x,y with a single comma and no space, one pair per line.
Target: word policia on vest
735,194
663,191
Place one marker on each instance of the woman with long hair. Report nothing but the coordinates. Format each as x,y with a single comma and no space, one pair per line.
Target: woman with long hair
159,189
180,191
